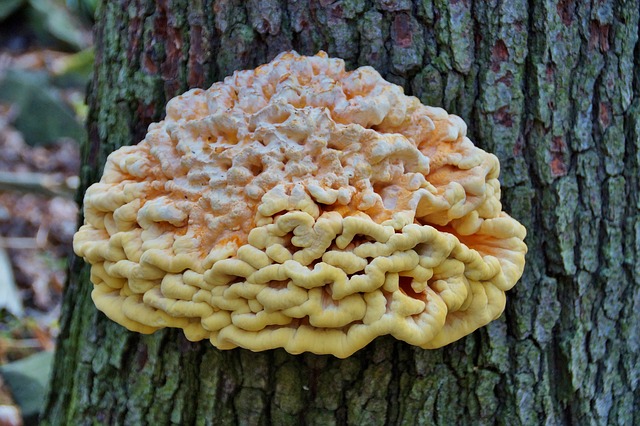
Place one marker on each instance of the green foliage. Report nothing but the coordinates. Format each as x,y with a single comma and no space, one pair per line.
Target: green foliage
51,21
74,70
49,17
28,380
42,115
7,7
86,9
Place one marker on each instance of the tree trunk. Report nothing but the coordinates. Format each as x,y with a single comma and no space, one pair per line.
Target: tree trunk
551,87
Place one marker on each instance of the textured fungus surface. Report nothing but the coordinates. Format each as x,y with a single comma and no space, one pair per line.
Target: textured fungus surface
301,206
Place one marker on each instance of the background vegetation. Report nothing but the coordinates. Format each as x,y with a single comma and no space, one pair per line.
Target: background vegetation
45,62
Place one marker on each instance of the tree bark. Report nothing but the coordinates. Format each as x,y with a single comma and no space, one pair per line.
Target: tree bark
551,87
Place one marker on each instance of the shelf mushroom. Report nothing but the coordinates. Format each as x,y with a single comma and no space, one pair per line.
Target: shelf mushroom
304,207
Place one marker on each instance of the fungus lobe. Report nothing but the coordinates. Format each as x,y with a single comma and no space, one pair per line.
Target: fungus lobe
302,206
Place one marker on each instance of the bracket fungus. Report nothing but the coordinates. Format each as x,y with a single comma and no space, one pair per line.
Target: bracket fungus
305,207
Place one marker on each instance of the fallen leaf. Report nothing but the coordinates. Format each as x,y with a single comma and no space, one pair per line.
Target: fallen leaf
9,296
28,381
10,416
42,116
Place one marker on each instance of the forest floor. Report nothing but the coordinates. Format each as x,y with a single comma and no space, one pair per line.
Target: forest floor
36,231
43,74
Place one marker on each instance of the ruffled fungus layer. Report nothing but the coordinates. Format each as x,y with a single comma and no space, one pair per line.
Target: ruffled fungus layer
301,206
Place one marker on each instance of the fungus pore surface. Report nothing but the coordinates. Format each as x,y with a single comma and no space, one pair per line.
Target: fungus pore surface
302,206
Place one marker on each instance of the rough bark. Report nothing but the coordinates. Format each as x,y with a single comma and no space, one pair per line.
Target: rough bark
551,87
